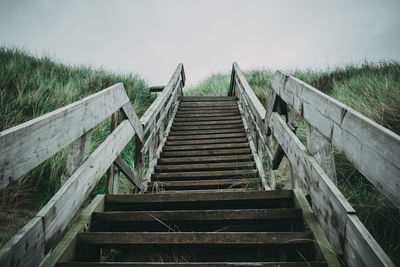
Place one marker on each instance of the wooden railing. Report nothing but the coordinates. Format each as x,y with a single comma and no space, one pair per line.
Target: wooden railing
27,145
371,148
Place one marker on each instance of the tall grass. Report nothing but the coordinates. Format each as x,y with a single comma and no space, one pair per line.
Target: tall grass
32,86
372,89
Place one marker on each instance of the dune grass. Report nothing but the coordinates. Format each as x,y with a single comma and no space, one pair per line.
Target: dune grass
32,86
372,89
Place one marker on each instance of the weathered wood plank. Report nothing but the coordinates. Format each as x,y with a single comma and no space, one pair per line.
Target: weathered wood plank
65,249
360,248
162,98
196,238
206,98
318,234
209,118
207,136
255,104
27,145
193,264
233,158
197,215
205,132
331,207
66,202
212,152
26,248
202,147
205,166
78,152
207,141
127,171
322,151
205,174
130,114
199,123
370,147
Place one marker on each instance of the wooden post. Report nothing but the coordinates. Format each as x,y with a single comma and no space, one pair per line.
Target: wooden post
78,152
290,118
113,172
322,150
138,160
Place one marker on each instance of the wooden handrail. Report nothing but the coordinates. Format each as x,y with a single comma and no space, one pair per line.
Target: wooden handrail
27,145
372,149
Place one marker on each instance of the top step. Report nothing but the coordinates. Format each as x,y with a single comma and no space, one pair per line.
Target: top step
207,98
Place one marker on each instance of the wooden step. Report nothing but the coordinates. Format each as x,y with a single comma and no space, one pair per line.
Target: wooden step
206,147
205,115
214,152
209,159
208,104
206,136
208,122
205,166
193,264
205,132
198,110
206,127
207,118
194,238
205,175
207,98
203,184
197,200
197,215
207,141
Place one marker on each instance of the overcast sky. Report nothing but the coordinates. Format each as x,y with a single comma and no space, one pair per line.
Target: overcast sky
150,38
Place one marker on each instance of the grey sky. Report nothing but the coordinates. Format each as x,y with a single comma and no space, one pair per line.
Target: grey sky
151,37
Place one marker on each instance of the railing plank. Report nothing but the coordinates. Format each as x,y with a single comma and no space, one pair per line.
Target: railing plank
60,209
255,104
371,148
27,248
27,145
331,207
360,248
130,114
156,106
127,171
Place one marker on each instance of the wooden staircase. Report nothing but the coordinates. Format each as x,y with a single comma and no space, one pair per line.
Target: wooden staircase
203,178
264,228
207,148
220,217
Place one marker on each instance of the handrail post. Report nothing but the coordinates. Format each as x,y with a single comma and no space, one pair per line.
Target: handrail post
231,91
138,160
113,173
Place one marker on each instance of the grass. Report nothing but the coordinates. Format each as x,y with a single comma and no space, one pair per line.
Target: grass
372,89
32,86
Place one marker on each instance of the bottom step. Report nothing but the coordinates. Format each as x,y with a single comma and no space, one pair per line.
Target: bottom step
197,264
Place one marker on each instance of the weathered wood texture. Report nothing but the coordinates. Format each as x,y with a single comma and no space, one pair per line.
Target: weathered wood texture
370,147
60,209
330,206
27,145
27,248
319,236
152,112
322,150
78,152
65,249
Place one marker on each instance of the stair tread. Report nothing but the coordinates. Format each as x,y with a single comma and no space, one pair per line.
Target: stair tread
206,136
195,238
208,118
197,264
206,146
197,215
207,141
229,173
216,159
210,152
205,166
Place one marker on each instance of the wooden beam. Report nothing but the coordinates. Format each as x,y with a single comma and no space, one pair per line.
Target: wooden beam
322,150
130,114
27,145
370,147
156,106
27,248
127,171
309,218
78,152
61,209
330,206
65,249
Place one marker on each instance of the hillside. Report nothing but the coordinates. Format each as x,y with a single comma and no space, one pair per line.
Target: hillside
30,87
373,90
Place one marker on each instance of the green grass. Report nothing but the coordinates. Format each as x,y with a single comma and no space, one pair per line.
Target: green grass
32,86
372,89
